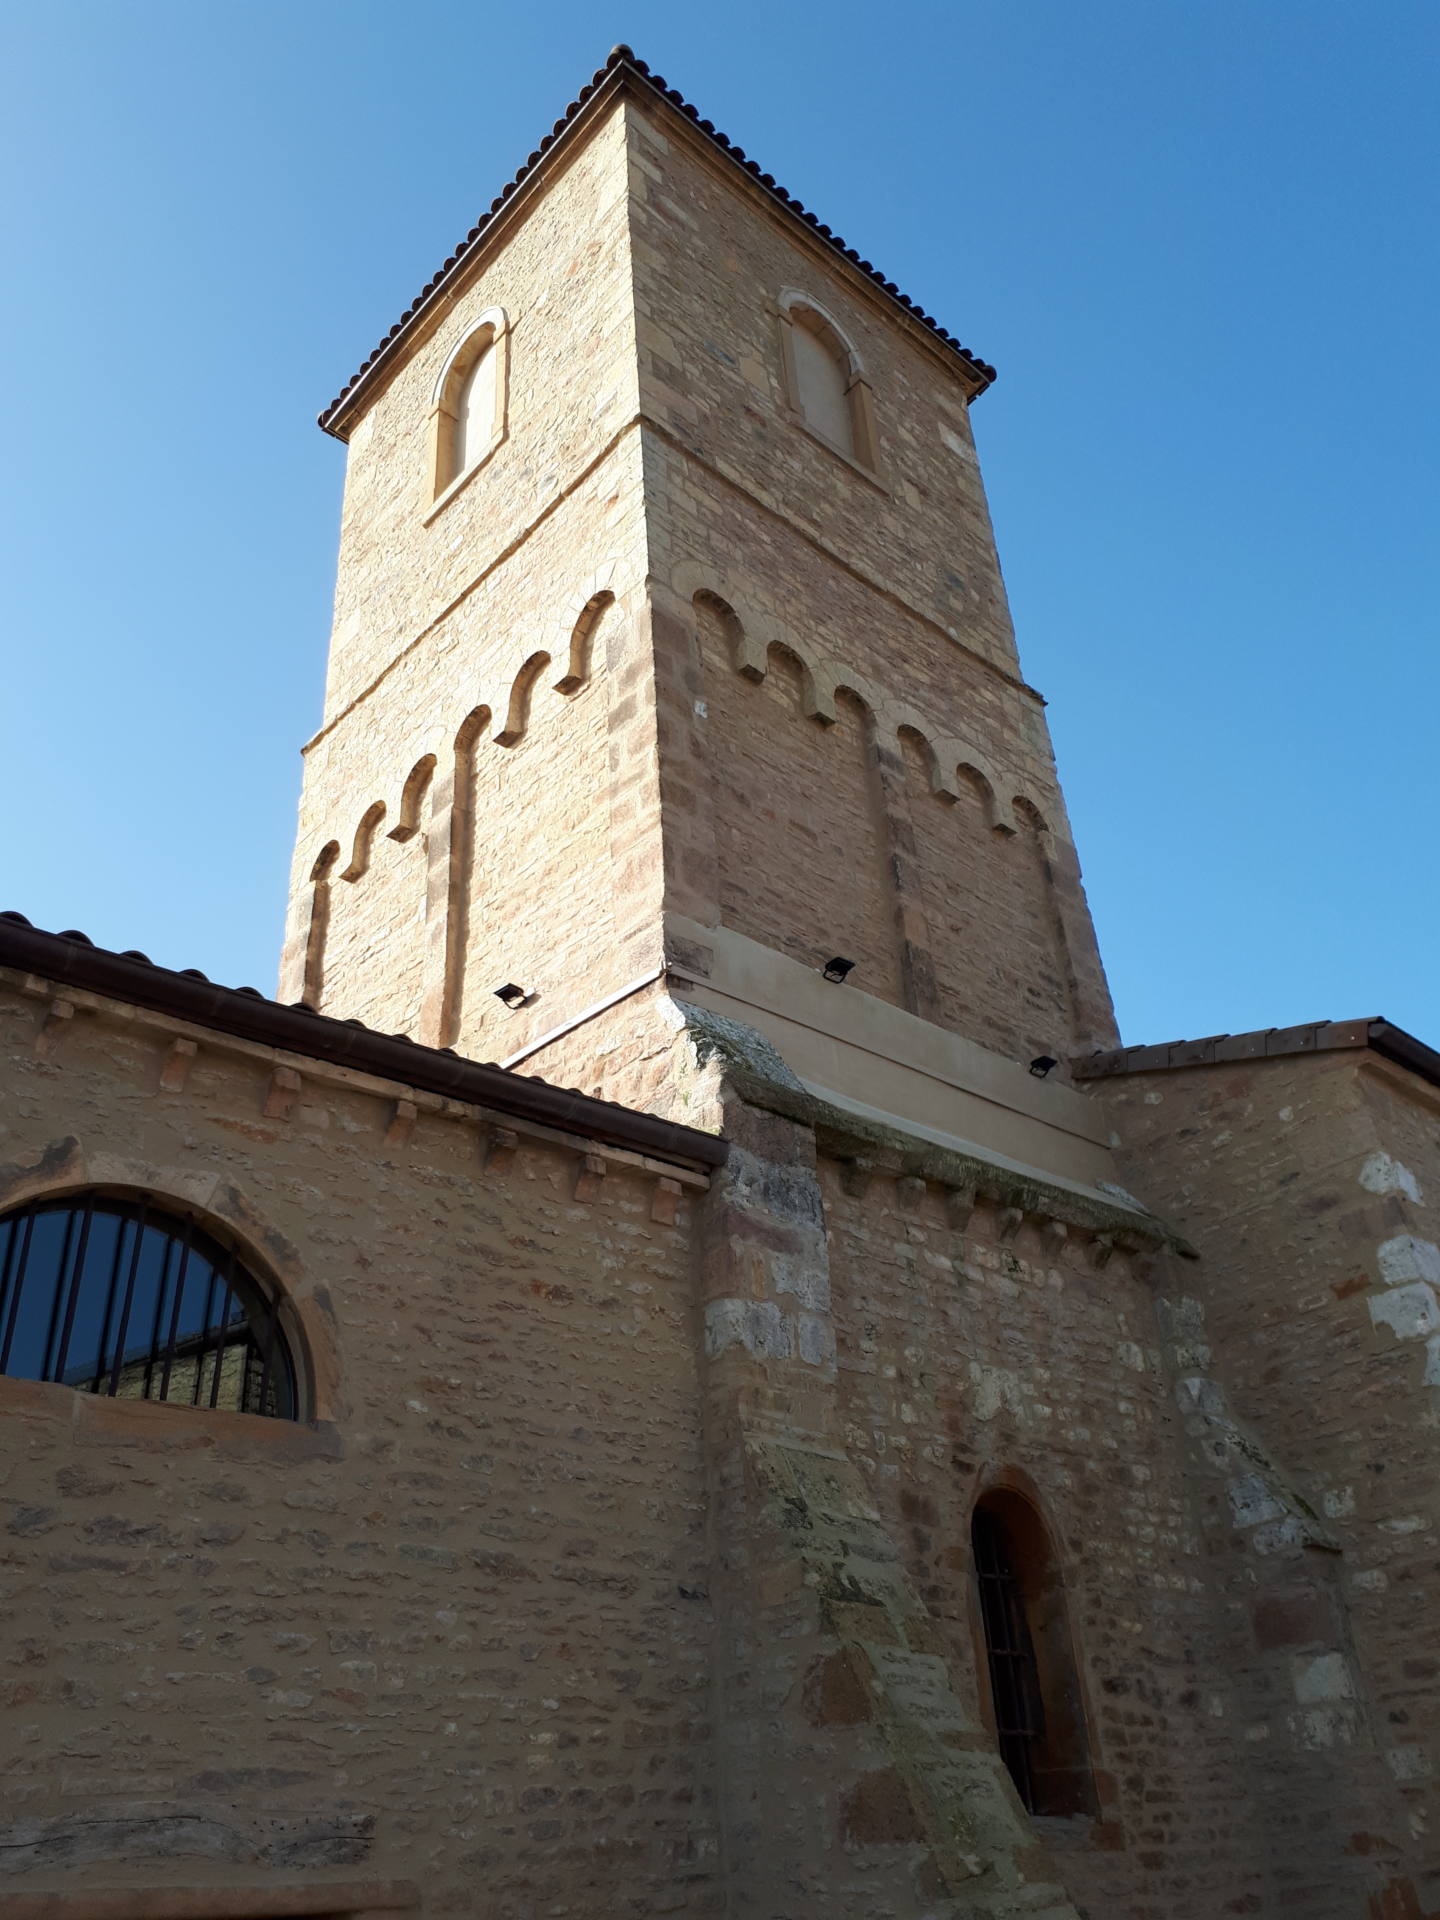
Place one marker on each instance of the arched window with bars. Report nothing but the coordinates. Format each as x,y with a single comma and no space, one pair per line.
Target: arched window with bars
1034,1698
115,1295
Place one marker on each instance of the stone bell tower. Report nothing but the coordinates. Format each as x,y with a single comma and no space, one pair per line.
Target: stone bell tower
671,654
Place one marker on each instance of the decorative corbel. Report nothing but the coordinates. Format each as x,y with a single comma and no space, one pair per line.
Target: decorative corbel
498,1147
1053,1236
591,1177
178,1062
855,1177
54,1026
910,1192
665,1202
284,1088
960,1204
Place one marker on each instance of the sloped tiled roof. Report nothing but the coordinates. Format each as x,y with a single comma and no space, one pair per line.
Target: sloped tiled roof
623,67
72,959
1267,1043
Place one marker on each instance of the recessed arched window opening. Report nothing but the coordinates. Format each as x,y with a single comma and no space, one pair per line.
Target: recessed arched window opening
468,410
826,381
118,1296
1034,1689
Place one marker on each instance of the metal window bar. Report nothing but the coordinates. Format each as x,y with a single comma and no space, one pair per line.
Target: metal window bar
60,1283
102,1344
239,1353
169,1357
14,1279
205,1336
73,1300
138,1228
152,1351
226,1313
1014,1672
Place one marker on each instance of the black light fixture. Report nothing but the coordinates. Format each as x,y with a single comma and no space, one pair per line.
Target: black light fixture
512,995
1041,1065
837,969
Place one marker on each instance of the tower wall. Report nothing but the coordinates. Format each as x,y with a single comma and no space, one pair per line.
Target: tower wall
487,636
877,775
801,717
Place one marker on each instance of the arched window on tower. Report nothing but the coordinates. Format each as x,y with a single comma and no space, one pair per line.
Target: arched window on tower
115,1295
475,411
468,414
1034,1690
826,382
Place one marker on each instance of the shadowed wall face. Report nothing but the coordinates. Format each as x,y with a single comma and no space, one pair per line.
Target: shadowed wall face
799,820
278,1651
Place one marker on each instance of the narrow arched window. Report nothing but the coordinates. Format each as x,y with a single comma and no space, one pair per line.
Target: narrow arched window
468,411
1034,1689
117,1296
475,412
822,384
826,382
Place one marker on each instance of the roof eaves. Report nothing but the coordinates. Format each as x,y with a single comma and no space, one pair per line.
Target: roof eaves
1266,1043
1394,1043
73,960
623,64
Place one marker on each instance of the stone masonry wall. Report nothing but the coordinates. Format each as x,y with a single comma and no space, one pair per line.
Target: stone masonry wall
799,822
465,640
994,1354
442,619
541,884
562,278
1308,1183
883,595
710,369
453,1632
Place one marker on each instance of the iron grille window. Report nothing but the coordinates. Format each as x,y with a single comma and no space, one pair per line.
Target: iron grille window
113,1296
1014,1671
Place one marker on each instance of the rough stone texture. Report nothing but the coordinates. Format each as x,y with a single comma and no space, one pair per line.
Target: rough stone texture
1309,1184
440,619
451,1630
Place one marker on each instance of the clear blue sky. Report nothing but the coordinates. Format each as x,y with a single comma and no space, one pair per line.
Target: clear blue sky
1198,240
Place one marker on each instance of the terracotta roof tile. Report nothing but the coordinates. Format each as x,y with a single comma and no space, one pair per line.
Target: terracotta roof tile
1266,1043
74,959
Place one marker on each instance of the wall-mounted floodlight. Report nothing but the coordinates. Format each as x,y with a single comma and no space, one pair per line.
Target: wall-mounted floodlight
1041,1065
512,995
837,969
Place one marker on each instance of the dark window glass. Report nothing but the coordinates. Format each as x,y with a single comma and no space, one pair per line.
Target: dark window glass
114,1296
1014,1671
1034,1686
